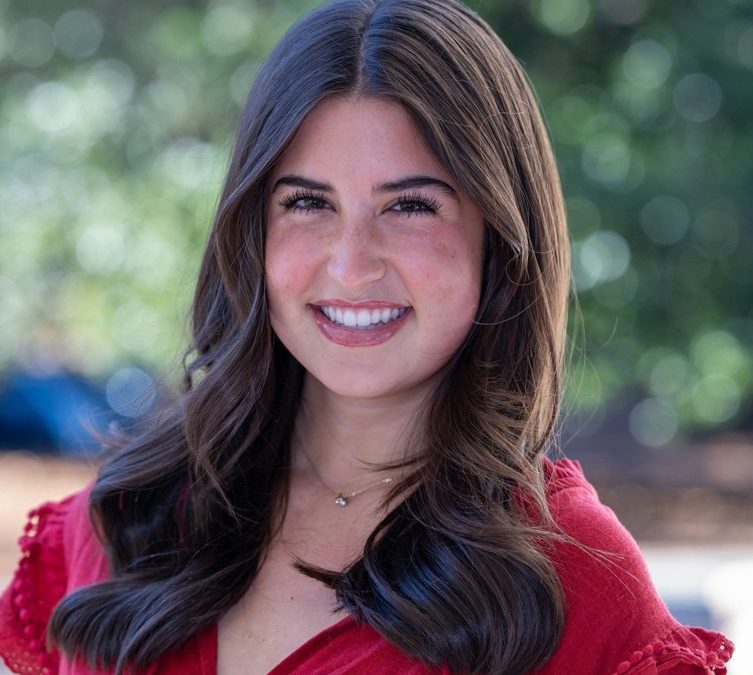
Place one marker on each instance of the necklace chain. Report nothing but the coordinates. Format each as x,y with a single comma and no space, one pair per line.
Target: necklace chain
342,499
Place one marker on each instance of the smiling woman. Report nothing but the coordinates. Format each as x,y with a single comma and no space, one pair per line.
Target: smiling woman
354,478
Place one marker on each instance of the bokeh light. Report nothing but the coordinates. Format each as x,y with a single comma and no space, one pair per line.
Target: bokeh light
31,43
665,219
697,97
78,34
624,12
653,422
603,256
228,29
646,64
131,392
563,16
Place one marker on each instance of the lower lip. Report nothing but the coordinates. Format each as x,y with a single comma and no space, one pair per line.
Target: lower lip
357,337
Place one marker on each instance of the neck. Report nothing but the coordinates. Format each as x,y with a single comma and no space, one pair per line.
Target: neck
342,438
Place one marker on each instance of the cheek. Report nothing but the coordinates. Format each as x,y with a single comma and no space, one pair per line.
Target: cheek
450,269
446,281
468,260
288,266
457,306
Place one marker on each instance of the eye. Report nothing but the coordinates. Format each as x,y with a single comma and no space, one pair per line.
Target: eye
415,204
304,201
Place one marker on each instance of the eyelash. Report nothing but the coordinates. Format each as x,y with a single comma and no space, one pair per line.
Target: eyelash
288,202
427,204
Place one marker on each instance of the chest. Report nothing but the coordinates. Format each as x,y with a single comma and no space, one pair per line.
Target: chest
283,608
280,612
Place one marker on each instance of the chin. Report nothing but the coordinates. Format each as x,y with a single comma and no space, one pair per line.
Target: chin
360,386
355,390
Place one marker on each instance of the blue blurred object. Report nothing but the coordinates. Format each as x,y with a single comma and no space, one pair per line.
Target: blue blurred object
50,413
691,613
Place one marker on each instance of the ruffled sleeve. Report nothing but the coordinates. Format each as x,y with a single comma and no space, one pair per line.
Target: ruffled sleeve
683,651
37,586
616,623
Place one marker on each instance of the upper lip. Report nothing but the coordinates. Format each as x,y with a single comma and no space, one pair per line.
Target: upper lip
365,304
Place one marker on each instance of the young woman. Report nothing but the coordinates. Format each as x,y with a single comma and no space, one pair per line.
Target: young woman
353,480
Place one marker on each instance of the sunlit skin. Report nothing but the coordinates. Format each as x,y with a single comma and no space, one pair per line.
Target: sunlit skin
345,233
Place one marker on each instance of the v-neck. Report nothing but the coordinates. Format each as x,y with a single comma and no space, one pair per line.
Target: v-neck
209,646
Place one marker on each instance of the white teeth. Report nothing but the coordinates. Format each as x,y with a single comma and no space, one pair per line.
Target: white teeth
349,318
363,318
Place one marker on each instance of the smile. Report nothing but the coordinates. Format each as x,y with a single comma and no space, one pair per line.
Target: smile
364,325
364,319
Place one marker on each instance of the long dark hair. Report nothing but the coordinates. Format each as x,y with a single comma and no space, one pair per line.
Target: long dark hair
456,573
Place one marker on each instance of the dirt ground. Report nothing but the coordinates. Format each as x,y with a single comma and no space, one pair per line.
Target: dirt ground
26,481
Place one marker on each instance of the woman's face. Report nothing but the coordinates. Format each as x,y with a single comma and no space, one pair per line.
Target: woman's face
373,254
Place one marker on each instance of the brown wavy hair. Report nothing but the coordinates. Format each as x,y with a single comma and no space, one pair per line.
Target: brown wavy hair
456,573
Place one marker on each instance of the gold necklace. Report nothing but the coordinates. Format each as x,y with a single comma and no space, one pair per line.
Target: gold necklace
343,498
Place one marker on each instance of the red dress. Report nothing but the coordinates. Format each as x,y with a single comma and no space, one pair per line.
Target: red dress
615,623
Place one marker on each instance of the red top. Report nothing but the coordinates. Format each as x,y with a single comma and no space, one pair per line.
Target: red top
615,621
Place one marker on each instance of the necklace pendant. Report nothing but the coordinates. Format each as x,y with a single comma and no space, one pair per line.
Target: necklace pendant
341,500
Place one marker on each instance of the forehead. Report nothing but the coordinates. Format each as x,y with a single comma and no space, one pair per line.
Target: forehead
352,137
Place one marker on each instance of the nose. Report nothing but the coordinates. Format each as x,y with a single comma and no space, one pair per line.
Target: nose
356,256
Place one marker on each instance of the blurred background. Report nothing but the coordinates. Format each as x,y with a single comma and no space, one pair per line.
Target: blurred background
115,125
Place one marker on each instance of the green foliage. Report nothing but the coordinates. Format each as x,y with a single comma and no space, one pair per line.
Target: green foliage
115,125
649,105
116,119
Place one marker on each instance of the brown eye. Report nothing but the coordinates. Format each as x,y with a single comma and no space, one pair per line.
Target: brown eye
414,204
303,202
412,207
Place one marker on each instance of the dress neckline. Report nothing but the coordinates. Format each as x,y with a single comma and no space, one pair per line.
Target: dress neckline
299,654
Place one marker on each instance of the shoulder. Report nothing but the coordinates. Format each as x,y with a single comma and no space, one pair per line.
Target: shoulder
615,620
59,551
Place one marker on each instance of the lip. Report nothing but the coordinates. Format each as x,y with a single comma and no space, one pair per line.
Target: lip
358,337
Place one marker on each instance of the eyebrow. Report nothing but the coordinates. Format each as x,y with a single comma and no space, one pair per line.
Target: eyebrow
391,186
